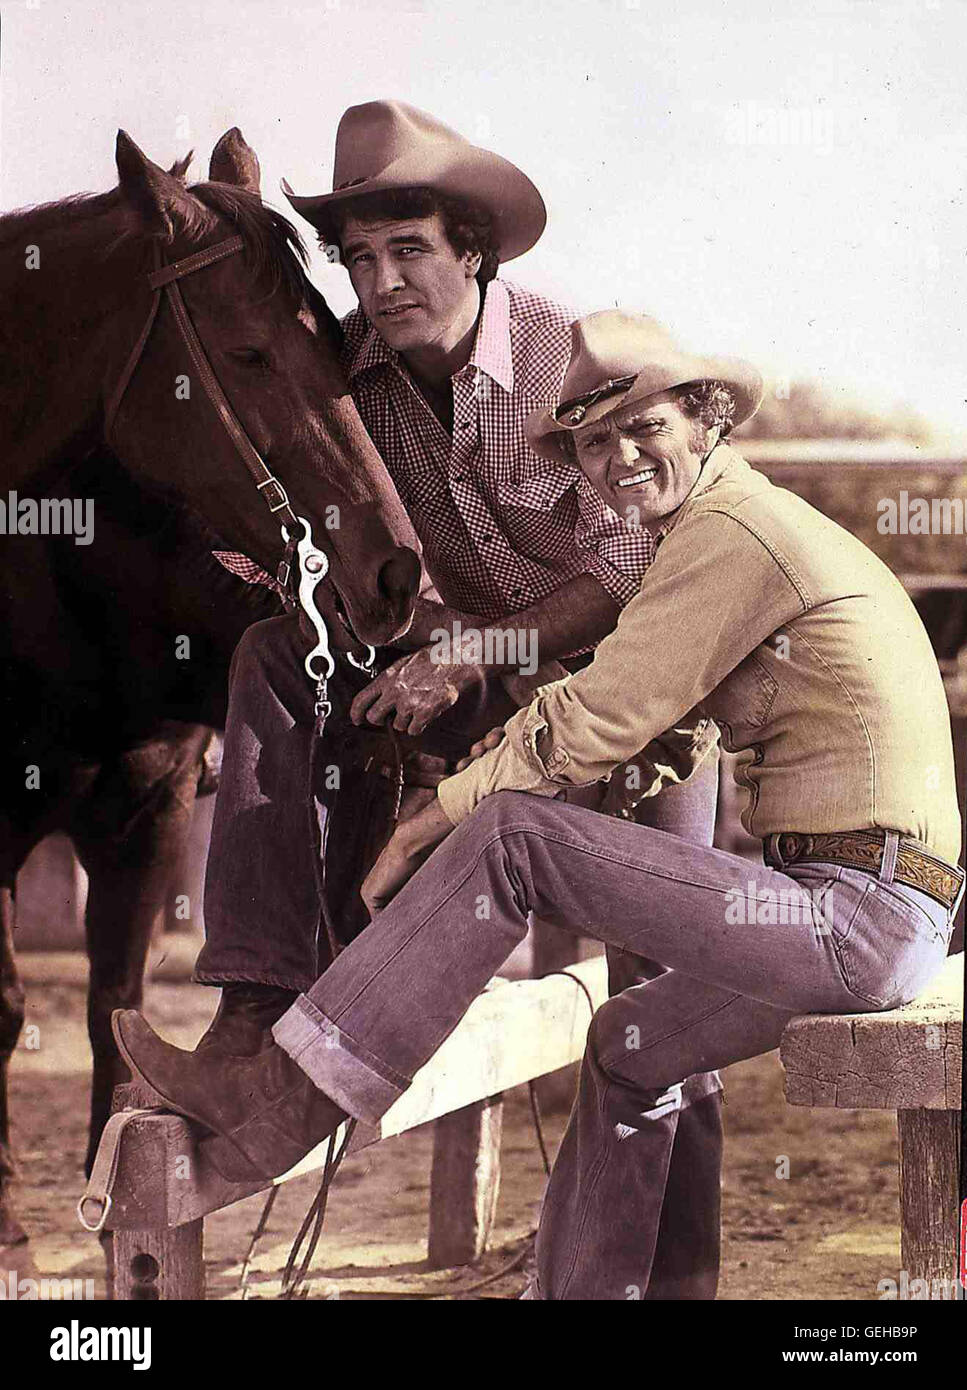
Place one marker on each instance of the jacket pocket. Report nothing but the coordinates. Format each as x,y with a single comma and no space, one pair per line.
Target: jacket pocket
744,699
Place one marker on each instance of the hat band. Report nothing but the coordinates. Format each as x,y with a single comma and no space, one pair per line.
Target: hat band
578,406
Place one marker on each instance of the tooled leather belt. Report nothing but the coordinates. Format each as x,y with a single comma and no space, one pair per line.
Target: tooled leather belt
863,849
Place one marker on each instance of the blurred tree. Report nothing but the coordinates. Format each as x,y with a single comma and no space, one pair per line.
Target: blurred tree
809,410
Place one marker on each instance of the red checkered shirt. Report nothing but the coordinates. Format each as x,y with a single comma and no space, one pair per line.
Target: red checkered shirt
500,527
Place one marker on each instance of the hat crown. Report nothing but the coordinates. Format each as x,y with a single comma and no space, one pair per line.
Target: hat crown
383,146
612,344
372,136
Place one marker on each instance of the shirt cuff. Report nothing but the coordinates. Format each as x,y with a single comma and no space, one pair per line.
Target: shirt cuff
512,766
616,583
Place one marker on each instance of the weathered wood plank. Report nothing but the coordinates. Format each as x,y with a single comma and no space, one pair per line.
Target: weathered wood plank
163,1264
902,1059
512,1033
929,1205
464,1183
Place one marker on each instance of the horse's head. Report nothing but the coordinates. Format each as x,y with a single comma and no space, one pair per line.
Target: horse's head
273,345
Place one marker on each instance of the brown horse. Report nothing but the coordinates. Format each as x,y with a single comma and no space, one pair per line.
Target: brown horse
101,714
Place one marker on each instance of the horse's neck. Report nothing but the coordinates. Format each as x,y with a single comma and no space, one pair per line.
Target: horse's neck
153,564
61,292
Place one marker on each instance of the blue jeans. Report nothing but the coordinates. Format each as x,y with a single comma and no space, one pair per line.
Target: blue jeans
262,918
746,947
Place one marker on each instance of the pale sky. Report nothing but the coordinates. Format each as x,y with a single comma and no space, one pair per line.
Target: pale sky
783,180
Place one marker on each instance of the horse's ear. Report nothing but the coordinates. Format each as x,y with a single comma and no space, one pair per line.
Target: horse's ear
234,161
160,198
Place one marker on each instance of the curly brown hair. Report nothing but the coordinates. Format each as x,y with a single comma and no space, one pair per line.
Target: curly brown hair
468,226
711,403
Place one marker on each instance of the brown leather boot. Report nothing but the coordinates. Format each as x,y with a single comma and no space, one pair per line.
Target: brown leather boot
242,1027
264,1109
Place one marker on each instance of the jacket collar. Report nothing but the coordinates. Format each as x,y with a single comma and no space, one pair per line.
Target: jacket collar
491,354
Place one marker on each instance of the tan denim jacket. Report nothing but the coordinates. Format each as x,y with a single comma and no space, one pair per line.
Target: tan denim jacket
800,644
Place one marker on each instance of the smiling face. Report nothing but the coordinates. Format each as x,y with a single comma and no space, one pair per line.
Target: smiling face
643,459
418,292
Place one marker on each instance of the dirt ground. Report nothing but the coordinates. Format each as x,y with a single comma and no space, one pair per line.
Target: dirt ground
829,1230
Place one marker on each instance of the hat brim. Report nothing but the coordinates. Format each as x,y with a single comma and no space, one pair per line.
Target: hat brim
545,431
478,175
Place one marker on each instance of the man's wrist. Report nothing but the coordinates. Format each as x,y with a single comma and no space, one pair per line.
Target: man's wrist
426,829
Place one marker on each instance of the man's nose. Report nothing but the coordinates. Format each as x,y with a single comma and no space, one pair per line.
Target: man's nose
626,450
388,276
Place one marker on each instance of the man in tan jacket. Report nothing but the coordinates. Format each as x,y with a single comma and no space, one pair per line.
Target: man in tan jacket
758,613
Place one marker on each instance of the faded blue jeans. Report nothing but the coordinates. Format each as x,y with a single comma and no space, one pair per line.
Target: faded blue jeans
262,918
747,947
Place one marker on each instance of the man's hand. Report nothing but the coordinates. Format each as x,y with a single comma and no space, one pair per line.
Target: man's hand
482,746
416,690
412,843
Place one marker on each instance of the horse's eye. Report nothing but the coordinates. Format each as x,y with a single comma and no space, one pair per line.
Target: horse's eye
250,357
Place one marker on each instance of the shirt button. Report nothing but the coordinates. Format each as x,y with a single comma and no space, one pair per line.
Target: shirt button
485,540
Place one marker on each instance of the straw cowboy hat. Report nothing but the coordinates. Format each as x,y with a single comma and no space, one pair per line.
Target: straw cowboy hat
384,145
618,358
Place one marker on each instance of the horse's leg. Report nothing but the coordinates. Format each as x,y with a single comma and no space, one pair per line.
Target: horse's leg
128,838
14,849
11,1022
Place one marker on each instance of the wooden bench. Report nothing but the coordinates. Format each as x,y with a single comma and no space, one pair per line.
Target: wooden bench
513,1033
908,1060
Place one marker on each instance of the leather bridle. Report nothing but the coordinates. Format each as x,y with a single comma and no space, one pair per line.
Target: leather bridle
312,563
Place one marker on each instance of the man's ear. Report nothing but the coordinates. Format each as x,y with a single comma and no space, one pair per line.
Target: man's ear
160,199
472,261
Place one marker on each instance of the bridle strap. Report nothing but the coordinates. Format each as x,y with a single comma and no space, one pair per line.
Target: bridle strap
201,260
163,280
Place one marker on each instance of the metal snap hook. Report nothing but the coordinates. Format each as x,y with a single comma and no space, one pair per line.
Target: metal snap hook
313,568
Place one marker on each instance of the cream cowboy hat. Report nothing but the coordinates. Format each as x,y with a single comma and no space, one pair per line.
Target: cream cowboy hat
618,358
383,145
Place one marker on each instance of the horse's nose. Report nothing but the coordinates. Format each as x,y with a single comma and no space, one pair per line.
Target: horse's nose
399,578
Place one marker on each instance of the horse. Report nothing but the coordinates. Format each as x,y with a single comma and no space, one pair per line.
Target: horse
117,650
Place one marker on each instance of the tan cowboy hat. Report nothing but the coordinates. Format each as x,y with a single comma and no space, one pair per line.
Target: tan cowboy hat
618,358
383,145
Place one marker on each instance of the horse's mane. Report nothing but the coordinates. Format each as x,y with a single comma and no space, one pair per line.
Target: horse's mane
274,248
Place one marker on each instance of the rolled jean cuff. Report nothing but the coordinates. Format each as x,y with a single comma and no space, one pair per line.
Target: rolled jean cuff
357,1081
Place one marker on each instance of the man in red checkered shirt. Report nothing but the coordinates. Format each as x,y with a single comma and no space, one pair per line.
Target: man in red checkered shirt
445,362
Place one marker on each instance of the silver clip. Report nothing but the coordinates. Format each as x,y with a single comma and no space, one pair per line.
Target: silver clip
313,568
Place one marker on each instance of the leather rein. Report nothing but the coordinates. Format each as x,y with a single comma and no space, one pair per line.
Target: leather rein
311,563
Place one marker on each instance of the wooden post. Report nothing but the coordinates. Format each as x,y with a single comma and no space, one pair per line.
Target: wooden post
929,1145
464,1182
167,1263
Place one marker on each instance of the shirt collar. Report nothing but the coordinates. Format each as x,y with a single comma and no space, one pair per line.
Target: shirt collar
491,349
722,459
